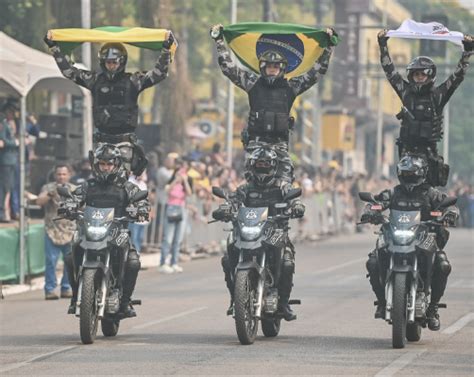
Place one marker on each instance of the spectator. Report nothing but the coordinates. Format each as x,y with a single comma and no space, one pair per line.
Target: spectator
178,189
9,154
58,233
137,229
84,172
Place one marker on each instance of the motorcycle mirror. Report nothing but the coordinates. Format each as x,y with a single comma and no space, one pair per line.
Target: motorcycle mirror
64,191
140,195
448,201
217,191
367,197
292,193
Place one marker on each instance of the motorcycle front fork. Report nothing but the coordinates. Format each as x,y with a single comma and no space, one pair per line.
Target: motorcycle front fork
260,286
411,298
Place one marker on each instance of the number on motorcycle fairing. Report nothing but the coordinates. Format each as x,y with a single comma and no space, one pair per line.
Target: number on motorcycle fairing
121,239
376,207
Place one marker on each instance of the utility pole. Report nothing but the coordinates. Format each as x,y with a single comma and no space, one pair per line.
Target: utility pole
316,104
230,95
86,60
267,10
378,150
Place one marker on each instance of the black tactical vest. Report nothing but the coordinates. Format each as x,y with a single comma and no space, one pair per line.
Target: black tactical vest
102,195
424,122
270,107
416,200
115,107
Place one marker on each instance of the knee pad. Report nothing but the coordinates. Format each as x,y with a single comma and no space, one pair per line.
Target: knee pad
371,264
133,261
443,264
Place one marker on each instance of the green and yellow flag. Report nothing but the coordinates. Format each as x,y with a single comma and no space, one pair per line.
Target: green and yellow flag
302,45
69,39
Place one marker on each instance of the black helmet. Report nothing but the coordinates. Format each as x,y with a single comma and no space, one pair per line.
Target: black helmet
108,153
427,66
115,52
262,165
274,57
412,170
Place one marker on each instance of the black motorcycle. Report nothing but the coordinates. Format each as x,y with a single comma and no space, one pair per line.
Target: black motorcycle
409,245
260,240
105,242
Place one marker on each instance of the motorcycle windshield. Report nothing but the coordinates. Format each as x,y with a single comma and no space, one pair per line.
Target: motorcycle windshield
249,216
403,225
97,222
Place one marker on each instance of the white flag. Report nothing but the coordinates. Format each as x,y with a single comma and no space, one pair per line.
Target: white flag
431,30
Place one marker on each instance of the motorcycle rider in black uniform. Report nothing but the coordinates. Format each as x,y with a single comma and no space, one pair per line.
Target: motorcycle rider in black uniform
261,191
271,98
109,188
115,95
422,105
412,194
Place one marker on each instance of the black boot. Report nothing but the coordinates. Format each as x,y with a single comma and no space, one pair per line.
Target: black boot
72,306
127,309
230,310
284,309
380,311
432,315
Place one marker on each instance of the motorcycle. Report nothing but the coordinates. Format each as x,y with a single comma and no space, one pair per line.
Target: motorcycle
411,246
105,242
260,240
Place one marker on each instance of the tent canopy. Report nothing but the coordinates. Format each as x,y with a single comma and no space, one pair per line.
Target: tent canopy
22,67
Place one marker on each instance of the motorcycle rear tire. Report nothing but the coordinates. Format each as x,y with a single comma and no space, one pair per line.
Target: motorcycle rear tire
110,327
271,327
399,310
88,320
245,293
413,332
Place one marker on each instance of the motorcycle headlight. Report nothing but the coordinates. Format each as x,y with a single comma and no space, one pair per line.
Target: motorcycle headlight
404,236
96,233
251,233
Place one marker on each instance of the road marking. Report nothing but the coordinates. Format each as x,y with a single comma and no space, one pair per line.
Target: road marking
459,324
170,318
36,358
400,363
338,266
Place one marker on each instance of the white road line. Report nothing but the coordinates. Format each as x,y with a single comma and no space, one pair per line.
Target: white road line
166,319
459,324
400,363
42,356
338,266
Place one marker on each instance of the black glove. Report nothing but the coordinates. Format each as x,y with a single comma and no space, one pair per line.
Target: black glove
468,43
169,42
216,32
450,218
222,213
49,42
372,217
297,210
382,37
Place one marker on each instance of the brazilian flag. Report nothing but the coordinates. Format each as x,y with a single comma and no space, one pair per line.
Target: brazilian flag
302,45
69,39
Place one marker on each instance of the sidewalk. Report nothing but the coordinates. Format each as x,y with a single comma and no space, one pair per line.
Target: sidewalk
147,260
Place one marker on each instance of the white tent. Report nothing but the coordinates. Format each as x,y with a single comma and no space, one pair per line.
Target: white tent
23,68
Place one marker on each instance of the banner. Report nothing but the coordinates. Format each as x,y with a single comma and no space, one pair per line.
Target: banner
431,30
152,39
301,45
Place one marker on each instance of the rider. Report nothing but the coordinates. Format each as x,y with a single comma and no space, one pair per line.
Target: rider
271,98
261,191
413,193
422,104
115,94
109,188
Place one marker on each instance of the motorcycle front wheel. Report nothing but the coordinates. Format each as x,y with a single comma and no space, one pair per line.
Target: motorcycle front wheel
399,310
245,295
271,327
88,320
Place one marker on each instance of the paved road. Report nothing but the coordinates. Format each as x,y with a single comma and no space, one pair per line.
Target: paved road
182,328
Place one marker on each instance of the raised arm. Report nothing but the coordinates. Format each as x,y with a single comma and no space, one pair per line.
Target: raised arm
449,86
395,79
243,78
81,77
144,80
